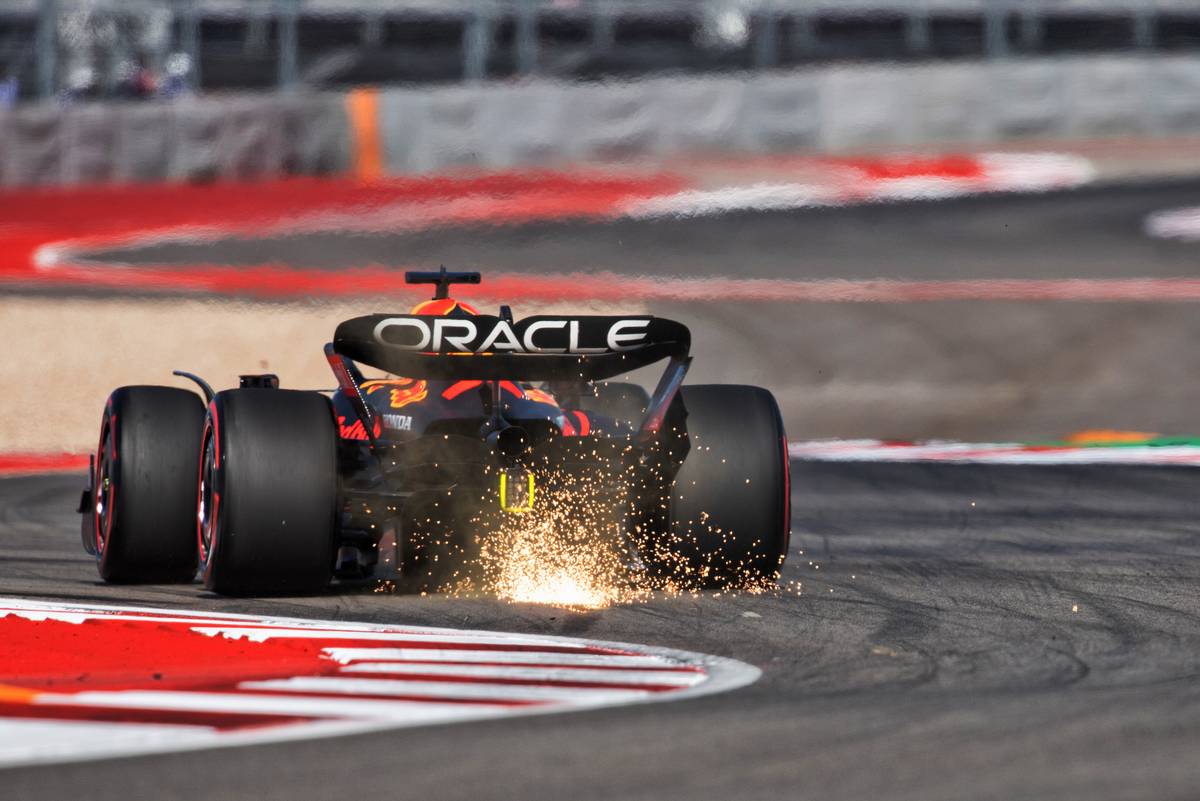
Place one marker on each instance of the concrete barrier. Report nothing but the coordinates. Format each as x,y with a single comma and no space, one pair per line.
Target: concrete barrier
781,113
33,149
1173,87
229,138
1106,98
1025,100
546,123
144,143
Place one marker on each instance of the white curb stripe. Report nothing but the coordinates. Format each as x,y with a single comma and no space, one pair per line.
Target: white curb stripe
512,657
439,690
581,674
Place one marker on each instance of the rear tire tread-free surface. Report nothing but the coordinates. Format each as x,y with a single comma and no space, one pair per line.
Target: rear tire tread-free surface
729,511
143,507
269,492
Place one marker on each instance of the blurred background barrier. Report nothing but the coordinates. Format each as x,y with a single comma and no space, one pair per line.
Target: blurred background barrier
547,123
200,139
139,48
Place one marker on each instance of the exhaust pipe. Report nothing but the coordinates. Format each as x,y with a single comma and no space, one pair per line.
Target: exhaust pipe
510,443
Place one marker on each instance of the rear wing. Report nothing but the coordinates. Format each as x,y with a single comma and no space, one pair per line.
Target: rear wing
543,348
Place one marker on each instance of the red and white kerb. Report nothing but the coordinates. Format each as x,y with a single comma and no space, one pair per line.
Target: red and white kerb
82,682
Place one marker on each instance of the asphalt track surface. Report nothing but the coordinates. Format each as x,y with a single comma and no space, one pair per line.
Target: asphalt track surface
1094,232
984,632
963,632
975,370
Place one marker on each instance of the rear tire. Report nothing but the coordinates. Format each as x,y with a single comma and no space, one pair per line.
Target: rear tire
728,508
142,507
268,492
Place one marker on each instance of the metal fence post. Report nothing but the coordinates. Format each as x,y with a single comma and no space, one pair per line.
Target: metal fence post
289,62
1143,27
804,34
477,40
995,29
603,27
47,48
527,37
916,30
190,44
766,43
1031,30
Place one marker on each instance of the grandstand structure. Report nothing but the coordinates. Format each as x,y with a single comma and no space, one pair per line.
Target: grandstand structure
49,48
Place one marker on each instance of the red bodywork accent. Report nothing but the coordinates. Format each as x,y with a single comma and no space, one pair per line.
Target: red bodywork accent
459,387
585,425
440,307
355,430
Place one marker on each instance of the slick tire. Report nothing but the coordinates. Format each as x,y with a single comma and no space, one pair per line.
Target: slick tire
268,493
624,402
142,507
728,508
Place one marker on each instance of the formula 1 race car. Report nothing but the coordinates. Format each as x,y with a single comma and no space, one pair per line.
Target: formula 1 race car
268,490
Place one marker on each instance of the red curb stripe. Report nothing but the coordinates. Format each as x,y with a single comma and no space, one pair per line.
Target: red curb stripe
14,464
44,229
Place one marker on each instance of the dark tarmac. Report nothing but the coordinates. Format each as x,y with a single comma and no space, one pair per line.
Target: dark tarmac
963,632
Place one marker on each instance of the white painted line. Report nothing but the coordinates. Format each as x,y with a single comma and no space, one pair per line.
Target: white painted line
997,172
581,674
32,741
1181,224
405,712
259,634
992,453
438,690
512,657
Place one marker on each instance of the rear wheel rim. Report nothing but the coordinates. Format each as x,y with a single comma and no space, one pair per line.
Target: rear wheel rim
206,514
104,491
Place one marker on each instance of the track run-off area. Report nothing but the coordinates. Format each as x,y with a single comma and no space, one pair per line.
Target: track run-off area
978,619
